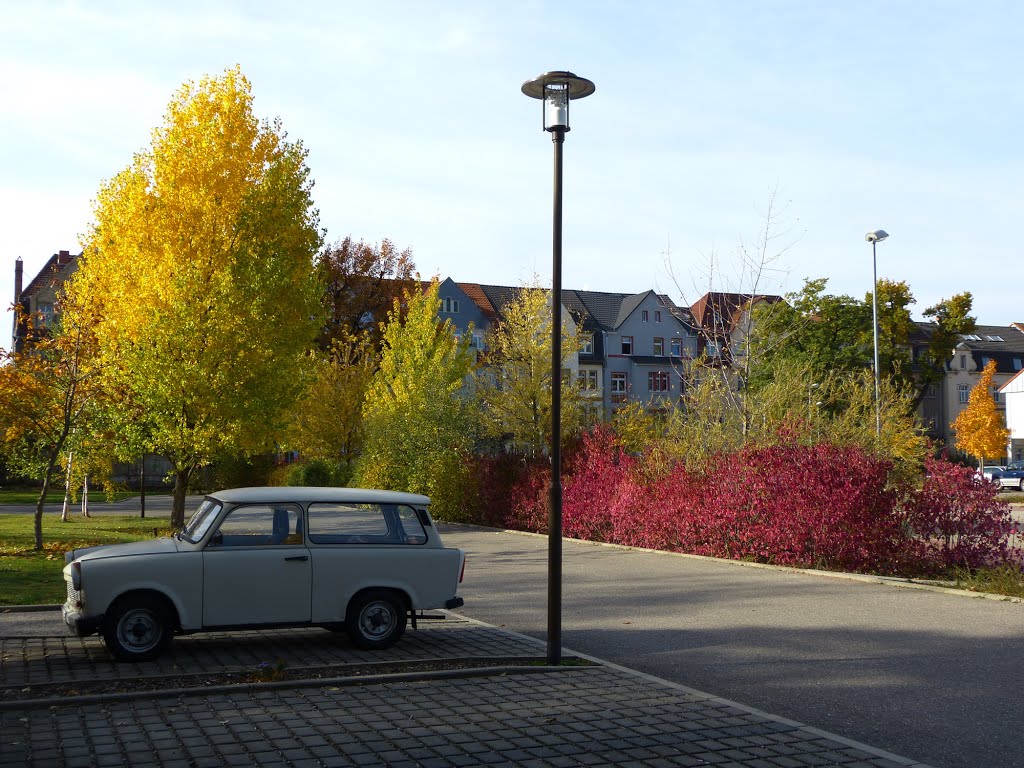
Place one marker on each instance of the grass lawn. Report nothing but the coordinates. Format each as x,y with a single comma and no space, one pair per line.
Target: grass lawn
28,577
20,496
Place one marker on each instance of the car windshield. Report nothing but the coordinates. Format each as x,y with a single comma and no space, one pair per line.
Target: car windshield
201,521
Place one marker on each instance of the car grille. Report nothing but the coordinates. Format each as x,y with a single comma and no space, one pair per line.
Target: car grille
74,596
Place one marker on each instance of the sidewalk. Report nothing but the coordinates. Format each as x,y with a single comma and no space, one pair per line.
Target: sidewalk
510,715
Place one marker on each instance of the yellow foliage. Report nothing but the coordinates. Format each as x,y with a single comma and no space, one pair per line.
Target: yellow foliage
200,268
980,429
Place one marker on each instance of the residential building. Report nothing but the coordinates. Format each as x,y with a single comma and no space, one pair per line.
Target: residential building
38,301
725,321
1004,345
1013,395
634,347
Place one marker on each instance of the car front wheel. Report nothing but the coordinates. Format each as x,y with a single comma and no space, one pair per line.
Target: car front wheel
137,628
376,619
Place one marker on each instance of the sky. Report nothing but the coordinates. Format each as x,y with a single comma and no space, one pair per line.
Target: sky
713,125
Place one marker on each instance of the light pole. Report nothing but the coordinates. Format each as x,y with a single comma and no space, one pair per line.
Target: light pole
874,238
556,90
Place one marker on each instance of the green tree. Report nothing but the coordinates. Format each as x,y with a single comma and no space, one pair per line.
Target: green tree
200,262
950,319
46,392
980,430
326,422
418,418
515,386
825,333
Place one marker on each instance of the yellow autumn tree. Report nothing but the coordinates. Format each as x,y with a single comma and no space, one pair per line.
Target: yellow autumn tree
418,417
200,262
47,392
326,422
980,429
515,385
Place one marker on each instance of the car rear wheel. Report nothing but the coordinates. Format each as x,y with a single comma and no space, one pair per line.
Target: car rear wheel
137,628
1021,485
376,618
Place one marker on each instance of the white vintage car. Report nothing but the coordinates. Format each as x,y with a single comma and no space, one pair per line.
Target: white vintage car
347,559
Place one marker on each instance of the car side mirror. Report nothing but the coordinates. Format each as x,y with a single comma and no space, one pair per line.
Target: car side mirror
217,540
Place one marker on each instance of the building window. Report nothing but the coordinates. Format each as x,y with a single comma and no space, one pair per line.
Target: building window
995,395
45,309
618,387
965,393
450,306
963,362
645,316
1016,363
930,392
658,381
713,349
587,344
676,347
627,345
587,380
657,315
659,347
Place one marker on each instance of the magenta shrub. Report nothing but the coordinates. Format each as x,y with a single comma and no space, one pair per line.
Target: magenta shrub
820,506
958,518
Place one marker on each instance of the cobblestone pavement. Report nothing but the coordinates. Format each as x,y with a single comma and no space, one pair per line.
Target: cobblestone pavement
532,716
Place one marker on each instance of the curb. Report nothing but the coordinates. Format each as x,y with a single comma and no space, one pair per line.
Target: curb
326,682
28,608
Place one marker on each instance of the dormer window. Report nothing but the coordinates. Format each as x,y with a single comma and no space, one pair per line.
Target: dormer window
449,306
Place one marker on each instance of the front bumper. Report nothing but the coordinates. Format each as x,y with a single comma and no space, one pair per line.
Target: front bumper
79,625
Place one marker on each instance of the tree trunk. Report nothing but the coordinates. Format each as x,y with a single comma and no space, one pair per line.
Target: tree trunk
64,515
180,488
42,502
85,496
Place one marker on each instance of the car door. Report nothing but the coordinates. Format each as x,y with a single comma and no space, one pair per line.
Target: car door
256,568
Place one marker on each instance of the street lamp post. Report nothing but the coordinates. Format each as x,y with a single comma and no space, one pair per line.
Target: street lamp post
874,238
556,90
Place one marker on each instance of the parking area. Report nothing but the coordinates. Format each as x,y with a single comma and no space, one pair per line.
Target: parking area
477,714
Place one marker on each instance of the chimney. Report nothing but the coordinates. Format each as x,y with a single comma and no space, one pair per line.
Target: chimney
18,267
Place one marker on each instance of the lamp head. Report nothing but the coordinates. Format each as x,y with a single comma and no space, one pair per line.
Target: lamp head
877,236
556,90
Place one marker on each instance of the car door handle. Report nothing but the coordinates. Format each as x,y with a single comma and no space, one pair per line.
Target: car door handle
303,558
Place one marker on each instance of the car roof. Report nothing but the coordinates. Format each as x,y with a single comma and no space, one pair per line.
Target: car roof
304,494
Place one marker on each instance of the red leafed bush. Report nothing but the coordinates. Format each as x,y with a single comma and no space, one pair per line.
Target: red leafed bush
820,506
599,485
958,518
512,492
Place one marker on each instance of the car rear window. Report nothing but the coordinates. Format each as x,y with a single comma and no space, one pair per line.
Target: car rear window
364,524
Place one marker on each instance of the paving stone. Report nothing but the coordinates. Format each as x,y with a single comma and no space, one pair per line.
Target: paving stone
576,716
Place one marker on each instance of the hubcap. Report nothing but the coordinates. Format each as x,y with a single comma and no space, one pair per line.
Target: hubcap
139,630
377,619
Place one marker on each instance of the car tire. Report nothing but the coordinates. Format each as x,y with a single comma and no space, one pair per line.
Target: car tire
1021,485
376,618
137,628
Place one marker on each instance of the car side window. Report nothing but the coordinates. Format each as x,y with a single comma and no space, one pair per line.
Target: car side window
412,528
259,525
363,524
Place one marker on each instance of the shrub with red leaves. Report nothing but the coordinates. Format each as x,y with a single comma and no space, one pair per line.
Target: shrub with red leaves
958,518
512,492
820,506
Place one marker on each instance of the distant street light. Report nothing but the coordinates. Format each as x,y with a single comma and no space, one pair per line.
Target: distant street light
556,90
876,237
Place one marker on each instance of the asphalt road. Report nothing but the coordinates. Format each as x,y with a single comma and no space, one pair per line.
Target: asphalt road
932,676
